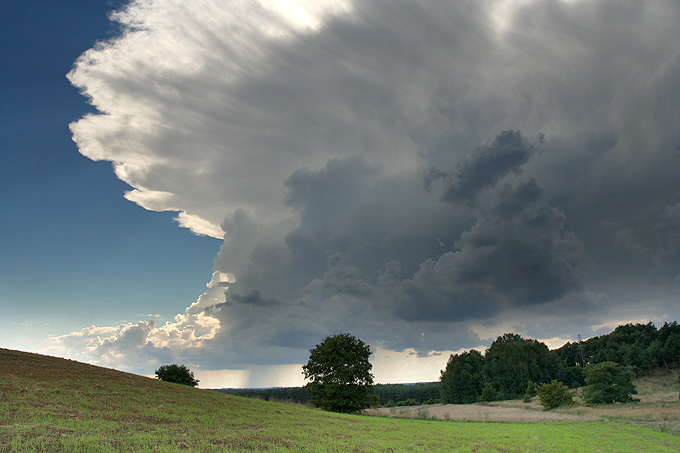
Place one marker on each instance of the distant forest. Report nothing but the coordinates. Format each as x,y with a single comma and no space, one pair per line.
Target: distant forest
389,394
512,365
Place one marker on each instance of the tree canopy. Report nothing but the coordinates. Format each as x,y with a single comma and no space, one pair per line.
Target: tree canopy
640,346
179,374
463,379
512,364
503,372
340,374
513,361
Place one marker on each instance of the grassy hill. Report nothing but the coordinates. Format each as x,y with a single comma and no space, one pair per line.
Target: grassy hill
51,404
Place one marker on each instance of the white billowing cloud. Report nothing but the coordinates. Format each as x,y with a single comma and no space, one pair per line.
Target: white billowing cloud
136,347
169,118
421,174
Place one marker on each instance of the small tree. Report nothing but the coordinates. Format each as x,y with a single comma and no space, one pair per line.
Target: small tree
609,382
340,374
554,395
531,391
179,374
489,393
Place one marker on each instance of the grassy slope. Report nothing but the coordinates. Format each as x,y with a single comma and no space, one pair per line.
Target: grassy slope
50,404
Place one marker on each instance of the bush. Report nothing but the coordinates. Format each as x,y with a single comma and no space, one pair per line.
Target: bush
554,395
390,403
178,374
609,382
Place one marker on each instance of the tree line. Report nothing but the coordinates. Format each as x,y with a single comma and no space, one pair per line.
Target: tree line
398,394
512,367
640,346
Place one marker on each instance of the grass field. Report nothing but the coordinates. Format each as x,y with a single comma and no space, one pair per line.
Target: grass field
50,404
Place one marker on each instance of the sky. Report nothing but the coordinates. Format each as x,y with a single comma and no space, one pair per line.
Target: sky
225,184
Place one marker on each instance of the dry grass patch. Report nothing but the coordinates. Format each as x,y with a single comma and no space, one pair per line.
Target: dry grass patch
659,408
502,411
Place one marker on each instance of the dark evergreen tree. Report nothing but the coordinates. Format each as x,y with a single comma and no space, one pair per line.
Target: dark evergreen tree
669,345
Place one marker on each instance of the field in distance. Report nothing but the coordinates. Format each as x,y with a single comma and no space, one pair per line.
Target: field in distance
658,408
51,404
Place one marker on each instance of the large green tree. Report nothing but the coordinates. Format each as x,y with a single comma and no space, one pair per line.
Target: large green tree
463,379
512,361
339,374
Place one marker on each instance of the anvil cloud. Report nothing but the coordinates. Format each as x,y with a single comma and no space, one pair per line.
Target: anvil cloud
425,175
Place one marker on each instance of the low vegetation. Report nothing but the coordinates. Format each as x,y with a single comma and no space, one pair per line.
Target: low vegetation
554,395
49,404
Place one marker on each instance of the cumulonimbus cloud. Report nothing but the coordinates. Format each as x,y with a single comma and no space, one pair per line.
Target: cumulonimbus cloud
402,170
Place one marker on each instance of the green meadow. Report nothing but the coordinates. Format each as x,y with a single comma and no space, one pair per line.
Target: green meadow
51,404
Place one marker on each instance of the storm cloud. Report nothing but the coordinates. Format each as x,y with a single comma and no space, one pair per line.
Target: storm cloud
425,174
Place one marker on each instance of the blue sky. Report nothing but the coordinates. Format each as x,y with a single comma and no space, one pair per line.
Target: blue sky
222,185
74,252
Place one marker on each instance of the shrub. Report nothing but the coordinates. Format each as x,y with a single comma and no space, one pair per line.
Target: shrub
554,395
179,374
609,382
390,403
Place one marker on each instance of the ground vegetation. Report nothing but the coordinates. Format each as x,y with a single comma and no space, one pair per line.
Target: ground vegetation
50,404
